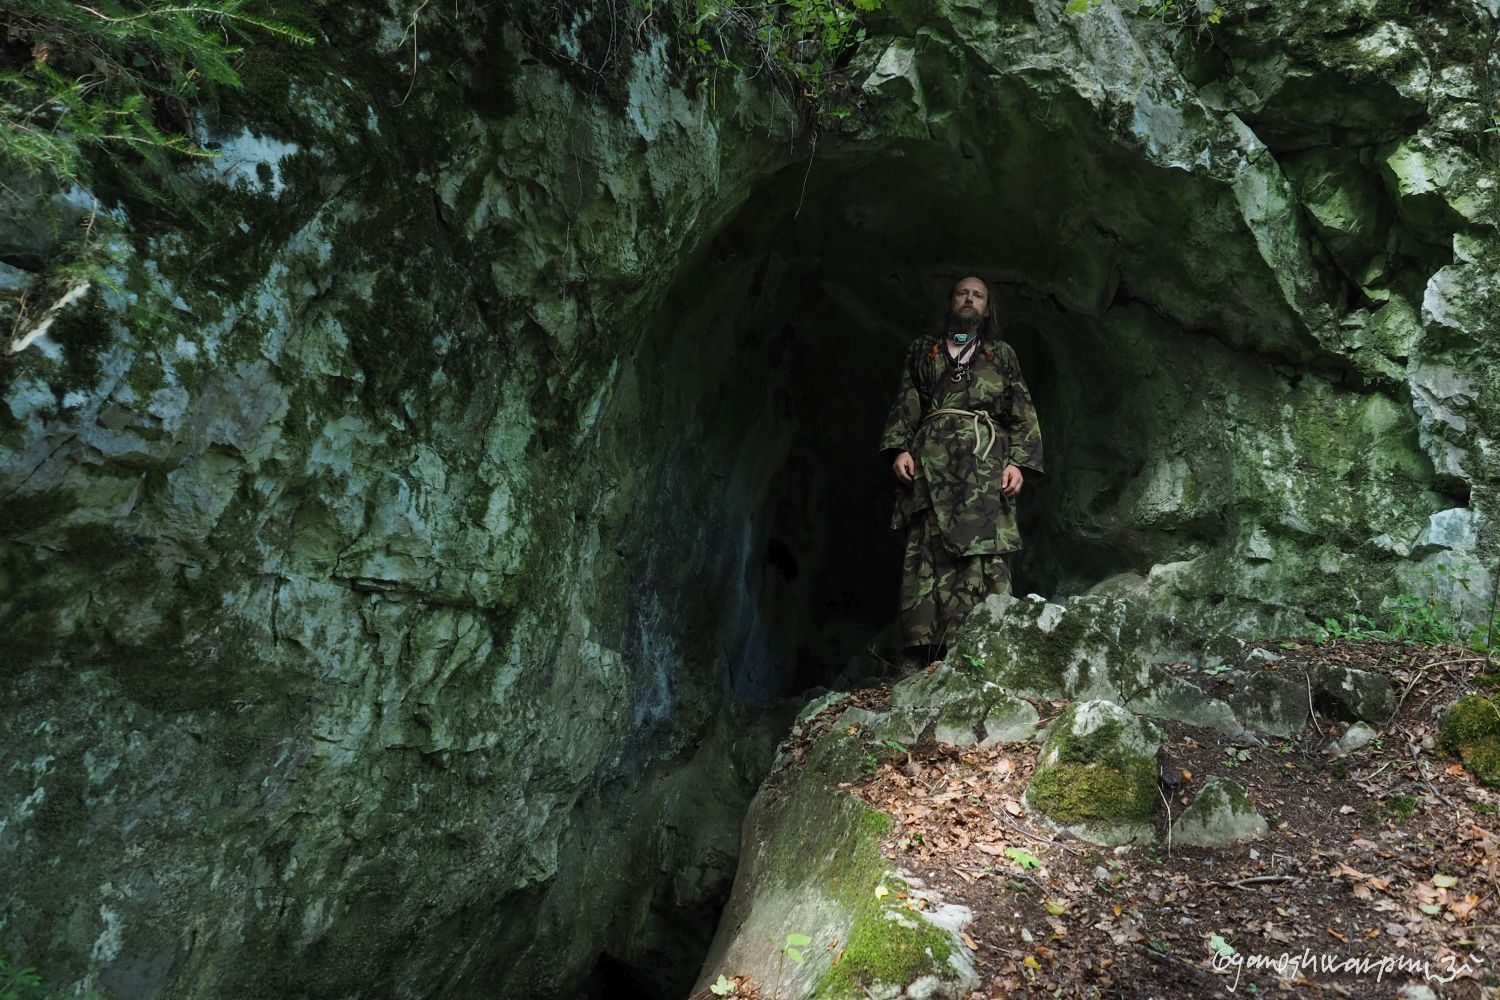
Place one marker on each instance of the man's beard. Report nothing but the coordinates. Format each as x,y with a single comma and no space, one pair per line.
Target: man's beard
965,322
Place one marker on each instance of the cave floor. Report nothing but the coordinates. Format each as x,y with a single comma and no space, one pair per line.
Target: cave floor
1389,853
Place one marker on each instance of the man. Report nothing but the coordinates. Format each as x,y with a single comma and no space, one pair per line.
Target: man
962,437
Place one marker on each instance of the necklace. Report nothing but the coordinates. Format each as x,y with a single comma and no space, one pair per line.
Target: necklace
959,366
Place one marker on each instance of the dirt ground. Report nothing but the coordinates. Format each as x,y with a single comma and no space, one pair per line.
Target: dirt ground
1380,871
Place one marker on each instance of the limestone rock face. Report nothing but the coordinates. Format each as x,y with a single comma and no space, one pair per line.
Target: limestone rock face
1097,773
371,550
1092,647
965,708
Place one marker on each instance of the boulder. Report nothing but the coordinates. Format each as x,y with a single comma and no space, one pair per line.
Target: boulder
1097,774
968,708
1471,730
1220,814
1354,694
812,869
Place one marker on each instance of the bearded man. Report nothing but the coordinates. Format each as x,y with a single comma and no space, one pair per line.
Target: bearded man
961,438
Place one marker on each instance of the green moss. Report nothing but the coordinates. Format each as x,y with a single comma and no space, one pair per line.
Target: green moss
1471,730
1108,791
1401,806
882,950
828,843
1091,778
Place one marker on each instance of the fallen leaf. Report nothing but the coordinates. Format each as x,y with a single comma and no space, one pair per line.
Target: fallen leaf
968,941
1444,881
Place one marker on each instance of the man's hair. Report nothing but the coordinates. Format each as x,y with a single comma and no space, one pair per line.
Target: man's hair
990,331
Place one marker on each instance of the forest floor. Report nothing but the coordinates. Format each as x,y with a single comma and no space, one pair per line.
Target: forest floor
1379,877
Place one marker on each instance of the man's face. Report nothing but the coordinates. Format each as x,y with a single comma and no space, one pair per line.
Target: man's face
970,298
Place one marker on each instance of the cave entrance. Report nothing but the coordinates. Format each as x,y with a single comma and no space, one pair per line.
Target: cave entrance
790,326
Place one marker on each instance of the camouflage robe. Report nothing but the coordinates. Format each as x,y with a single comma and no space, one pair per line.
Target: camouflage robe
959,523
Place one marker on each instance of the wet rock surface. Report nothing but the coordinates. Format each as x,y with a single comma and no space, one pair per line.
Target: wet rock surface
370,553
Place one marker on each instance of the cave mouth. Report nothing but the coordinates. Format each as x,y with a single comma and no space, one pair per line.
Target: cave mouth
809,298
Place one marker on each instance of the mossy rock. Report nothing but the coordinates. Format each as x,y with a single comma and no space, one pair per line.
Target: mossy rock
812,866
1221,814
1268,702
968,708
1355,695
1471,730
1097,774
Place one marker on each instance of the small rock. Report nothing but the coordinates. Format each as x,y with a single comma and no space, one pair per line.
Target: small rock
1097,774
1415,991
1357,738
1258,657
1220,815
1356,694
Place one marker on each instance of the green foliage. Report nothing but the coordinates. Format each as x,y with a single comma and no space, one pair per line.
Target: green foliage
803,40
1166,11
25,984
1419,620
1353,628
1423,621
1023,857
792,946
117,78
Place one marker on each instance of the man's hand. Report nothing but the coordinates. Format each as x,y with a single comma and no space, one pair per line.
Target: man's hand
1010,481
905,468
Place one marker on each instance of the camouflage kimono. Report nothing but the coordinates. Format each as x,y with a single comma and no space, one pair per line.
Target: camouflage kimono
961,434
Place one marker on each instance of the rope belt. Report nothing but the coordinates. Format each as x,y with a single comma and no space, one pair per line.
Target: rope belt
979,417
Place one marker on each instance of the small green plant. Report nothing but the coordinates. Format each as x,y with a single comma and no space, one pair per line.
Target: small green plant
1420,620
1401,806
791,948
1023,857
1234,756
721,987
911,840
25,984
974,662
803,39
118,80
896,746
1355,627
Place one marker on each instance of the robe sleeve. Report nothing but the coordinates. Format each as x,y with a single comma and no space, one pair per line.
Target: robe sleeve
1019,416
906,412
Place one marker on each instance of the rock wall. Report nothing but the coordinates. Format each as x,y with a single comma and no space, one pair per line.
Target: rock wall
397,515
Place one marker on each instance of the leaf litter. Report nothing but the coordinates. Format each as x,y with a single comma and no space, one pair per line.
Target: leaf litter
1380,872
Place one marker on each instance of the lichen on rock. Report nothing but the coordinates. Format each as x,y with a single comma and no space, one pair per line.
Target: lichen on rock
1220,814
